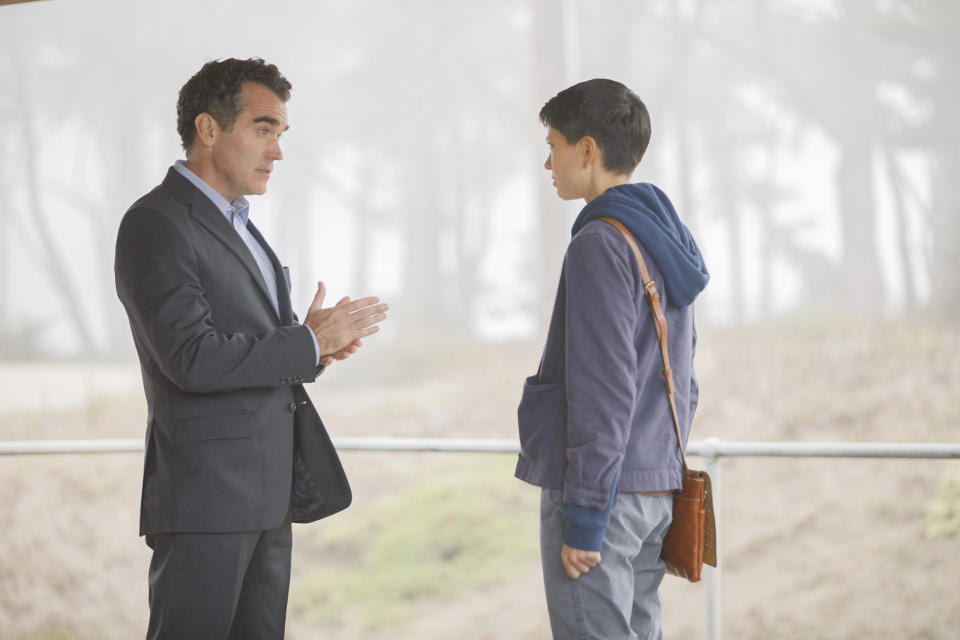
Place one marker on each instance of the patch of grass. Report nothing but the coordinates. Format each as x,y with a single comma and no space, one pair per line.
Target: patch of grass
453,527
943,512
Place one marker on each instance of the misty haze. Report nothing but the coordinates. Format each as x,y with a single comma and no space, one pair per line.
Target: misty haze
812,148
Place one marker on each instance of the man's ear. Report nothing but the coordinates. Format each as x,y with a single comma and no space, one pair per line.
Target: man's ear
207,129
588,150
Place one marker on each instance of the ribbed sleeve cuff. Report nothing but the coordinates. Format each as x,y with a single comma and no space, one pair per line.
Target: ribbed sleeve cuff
584,527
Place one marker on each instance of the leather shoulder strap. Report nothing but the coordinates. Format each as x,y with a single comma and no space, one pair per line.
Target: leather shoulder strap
659,322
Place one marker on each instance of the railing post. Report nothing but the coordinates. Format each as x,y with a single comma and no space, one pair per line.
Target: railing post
711,574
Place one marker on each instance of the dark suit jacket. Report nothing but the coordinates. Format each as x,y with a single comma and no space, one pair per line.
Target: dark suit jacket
229,424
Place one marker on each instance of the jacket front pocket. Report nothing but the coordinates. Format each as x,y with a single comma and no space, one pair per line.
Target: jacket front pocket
219,469
542,419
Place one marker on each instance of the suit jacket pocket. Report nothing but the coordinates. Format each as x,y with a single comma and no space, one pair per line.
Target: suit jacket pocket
216,426
218,472
542,420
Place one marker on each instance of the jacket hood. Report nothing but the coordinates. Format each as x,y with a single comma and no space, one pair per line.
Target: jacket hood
648,213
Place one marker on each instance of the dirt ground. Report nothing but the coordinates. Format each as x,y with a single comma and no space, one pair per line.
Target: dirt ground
810,548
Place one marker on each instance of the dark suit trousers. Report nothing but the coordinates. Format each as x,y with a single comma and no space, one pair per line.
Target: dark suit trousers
220,586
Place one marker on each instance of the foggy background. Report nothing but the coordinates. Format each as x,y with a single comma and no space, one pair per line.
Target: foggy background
812,147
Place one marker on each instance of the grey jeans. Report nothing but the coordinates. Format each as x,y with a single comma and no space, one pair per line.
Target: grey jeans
619,598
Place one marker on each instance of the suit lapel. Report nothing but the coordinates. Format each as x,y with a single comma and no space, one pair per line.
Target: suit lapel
207,214
283,287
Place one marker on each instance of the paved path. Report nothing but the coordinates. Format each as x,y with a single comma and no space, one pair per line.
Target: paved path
45,386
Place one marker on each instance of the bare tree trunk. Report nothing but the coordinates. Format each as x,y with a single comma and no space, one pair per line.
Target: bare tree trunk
682,38
124,142
861,268
6,263
58,272
361,210
945,213
719,146
6,234
297,234
764,198
365,248
473,237
900,210
550,76
422,282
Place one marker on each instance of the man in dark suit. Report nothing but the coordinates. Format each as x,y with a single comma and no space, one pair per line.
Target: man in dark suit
234,448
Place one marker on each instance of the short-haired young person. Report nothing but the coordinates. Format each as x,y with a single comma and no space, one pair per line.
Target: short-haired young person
596,430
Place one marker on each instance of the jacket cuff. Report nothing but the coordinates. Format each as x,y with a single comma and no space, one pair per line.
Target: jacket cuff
584,527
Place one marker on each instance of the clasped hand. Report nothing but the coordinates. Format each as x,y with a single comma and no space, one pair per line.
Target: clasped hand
339,328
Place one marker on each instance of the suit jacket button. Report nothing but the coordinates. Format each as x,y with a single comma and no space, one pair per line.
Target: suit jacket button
292,406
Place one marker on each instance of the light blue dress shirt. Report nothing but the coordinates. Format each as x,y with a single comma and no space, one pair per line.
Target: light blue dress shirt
237,214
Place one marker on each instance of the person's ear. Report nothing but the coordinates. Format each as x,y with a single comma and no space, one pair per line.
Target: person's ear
207,129
588,151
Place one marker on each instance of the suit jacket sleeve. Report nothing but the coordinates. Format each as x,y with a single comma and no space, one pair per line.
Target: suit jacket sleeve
158,277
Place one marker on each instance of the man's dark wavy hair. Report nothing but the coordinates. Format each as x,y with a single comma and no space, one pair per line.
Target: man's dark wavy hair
607,111
216,90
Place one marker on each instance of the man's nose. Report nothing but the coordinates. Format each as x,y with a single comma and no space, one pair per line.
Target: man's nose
275,152
547,165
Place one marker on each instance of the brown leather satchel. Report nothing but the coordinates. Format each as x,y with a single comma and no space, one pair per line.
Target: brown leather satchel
691,540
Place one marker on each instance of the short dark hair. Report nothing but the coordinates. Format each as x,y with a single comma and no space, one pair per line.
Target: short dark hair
607,111
216,89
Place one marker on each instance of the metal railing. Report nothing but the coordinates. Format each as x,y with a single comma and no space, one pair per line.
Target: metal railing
711,449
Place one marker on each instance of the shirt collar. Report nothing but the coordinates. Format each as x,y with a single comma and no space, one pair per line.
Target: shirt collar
239,207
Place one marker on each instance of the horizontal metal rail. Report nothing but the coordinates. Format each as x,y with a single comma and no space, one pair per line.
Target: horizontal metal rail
715,448
708,448
711,448
134,445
